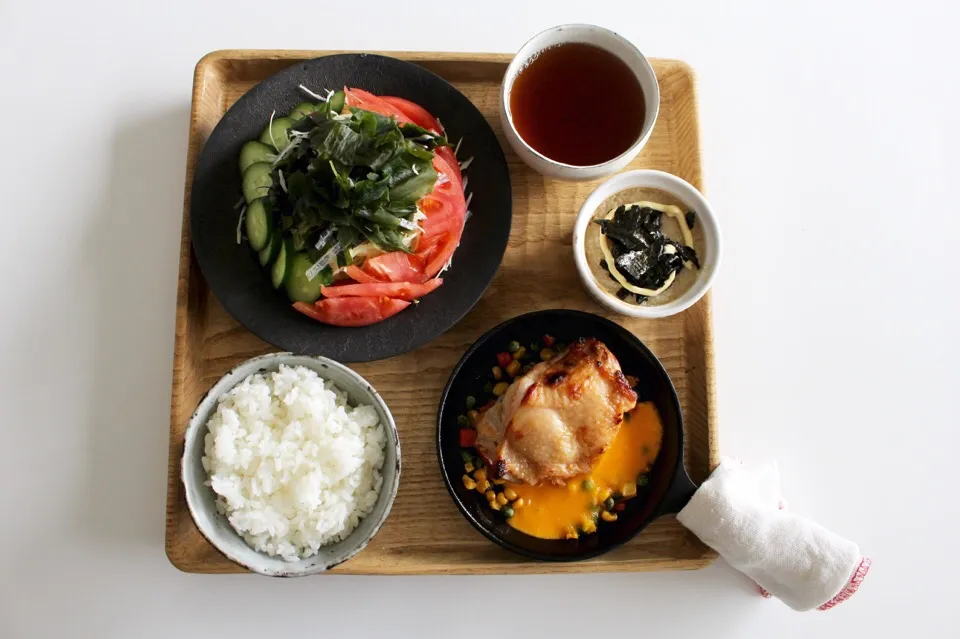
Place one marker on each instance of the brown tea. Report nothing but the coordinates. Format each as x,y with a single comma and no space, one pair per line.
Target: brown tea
578,104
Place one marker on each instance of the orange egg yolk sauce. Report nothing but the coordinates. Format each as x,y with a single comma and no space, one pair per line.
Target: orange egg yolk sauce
551,512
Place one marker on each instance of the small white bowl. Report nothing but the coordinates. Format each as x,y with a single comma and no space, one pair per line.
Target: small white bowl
598,37
709,254
201,500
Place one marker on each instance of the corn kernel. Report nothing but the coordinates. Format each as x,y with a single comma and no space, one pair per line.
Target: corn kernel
499,482
513,368
547,353
629,490
519,503
520,353
500,388
608,516
571,532
572,486
489,494
468,483
604,495
501,499
589,525
497,373
483,485
495,505
510,493
480,474
473,416
468,467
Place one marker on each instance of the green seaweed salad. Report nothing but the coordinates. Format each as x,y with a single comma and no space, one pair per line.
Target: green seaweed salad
323,187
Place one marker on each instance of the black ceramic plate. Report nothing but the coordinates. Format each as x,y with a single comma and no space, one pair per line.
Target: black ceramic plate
232,270
669,488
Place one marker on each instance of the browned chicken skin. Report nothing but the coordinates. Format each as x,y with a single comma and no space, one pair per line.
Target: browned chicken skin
556,420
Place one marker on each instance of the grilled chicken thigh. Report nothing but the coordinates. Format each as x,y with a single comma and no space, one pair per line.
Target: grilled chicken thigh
556,420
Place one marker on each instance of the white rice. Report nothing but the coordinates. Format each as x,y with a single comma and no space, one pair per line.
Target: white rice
293,466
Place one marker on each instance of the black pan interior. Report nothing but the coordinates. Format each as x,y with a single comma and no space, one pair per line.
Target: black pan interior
635,359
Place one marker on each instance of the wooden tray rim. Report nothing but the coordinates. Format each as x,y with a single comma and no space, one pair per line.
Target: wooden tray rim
213,58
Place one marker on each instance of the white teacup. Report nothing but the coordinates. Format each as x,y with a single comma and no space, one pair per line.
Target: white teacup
598,37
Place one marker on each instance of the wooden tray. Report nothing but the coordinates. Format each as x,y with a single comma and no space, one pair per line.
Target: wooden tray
425,532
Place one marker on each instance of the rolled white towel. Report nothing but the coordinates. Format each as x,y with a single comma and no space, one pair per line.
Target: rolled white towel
739,513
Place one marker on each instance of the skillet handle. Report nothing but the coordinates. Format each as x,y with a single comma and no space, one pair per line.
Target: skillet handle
679,493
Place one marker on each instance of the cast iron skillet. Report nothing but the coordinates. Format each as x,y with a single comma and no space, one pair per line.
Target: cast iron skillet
669,489
242,286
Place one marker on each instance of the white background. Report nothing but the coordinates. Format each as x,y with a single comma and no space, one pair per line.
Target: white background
830,133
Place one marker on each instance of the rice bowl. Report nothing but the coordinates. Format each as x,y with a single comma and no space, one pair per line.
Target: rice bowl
290,471
294,466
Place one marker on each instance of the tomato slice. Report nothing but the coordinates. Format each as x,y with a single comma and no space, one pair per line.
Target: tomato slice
446,212
419,115
352,311
357,274
396,290
396,266
444,207
361,99
446,154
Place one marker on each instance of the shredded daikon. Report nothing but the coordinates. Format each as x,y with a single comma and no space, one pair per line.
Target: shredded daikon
324,238
270,129
324,261
243,213
312,94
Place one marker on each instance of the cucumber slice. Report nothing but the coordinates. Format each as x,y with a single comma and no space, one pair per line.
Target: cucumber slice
257,180
302,110
253,152
281,267
275,135
268,252
258,224
336,101
299,287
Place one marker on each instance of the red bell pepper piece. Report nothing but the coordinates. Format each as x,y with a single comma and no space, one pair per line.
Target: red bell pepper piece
468,438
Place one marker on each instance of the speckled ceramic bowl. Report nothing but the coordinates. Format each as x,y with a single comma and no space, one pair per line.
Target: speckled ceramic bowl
201,498
709,252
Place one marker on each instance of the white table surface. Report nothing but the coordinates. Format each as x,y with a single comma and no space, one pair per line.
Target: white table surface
829,136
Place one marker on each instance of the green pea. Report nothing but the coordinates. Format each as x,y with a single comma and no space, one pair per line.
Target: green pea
609,504
507,511
588,484
642,479
466,456
463,420
513,346
488,388
471,402
535,346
